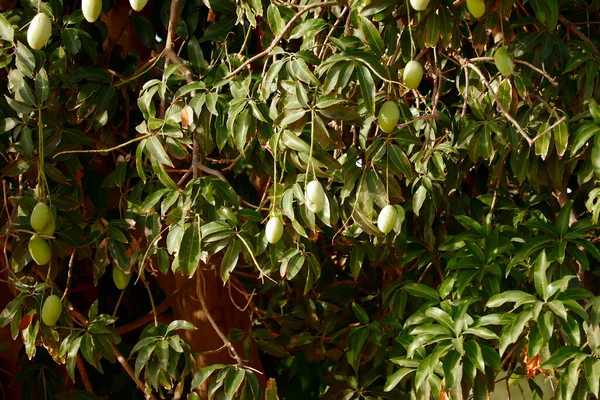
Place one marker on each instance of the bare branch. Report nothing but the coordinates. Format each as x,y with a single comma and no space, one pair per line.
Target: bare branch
278,38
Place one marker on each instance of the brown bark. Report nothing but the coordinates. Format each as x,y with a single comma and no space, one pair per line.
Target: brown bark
226,315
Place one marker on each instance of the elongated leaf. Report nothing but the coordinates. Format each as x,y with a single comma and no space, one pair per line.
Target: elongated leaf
592,372
72,356
180,324
560,356
367,87
394,379
423,291
157,151
510,296
230,259
190,250
142,358
540,279
373,37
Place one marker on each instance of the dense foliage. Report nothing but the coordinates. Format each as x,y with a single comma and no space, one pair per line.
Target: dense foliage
246,139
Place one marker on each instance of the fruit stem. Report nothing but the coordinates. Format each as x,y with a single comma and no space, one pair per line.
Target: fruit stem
273,205
247,246
41,179
412,43
151,299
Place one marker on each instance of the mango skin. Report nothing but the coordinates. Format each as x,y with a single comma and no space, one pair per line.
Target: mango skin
51,310
120,278
387,219
419,5
274,230
476,8
91,9
504,61
138,5
315,196
50,227
40,216
413,73
389,114
39,31
39,250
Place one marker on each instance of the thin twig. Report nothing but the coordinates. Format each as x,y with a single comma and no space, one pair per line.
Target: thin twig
499,105
533,67
549,128
576,31
125,144
421,118
215,326
139,382
69,276
330,33
162,307
278,38
169,46
84,376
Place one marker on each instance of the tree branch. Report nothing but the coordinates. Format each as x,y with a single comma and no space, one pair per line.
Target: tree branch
278,38
162,307
84,376
573,28
468,63
533,67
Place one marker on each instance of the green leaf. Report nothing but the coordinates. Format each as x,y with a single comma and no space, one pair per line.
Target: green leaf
72,356
157,151
560,356
274,18
87,349
190,249
367,87
308,28
162,351
356,342
423,291
201,376
561,138
563,218
195,53
71,40
540,279
142,358
373,37
152,199
394,379
6,30
491,357
592,372
510,296
217,31
11,309
19,106
441,316
230,259
594,109
470,224
25,60
483,333
180,324
360,313
233,381
419,198
582,135
474,353
356,260
42,89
